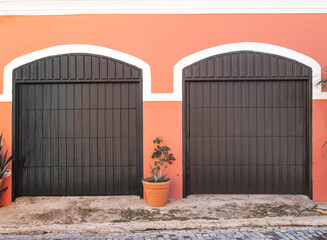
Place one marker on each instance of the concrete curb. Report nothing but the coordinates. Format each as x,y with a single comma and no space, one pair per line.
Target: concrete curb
109,228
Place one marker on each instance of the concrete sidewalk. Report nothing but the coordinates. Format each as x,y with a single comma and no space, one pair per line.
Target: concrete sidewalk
118,214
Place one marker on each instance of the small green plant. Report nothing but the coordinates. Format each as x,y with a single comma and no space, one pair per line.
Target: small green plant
323,81
162,156
323,84
4,162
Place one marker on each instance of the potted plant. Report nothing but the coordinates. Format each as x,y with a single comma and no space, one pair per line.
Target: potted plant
157,186
4,162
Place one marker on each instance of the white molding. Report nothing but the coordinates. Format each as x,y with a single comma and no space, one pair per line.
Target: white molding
78,48
147,95
249,46
61,7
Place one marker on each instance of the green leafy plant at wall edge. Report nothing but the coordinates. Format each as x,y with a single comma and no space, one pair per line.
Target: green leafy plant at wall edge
323,84
4,162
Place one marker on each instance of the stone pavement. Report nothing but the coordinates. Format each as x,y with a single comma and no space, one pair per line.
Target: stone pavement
104,215
300,233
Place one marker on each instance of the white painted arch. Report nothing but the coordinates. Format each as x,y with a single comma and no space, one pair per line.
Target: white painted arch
147,95
75,48
249,46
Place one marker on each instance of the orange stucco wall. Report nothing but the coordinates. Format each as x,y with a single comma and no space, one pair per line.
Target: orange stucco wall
161,41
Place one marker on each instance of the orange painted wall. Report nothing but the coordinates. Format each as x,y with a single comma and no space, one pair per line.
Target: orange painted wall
161,41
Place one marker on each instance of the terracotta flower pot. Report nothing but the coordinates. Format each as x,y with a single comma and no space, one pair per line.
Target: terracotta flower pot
1,180
156,193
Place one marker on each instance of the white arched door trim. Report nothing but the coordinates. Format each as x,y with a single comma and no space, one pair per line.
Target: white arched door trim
74,48
248,46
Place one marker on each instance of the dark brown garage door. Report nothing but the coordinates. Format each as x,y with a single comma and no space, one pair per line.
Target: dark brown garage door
78,126
247,118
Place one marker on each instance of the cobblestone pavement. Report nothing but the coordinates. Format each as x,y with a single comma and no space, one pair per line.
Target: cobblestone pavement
302,233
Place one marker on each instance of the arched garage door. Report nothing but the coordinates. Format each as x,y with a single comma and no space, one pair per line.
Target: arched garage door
247,125
77,126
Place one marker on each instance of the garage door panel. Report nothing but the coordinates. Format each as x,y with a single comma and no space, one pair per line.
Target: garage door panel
229,121
268,179
237,150
260,121
213,94
291,94
101,178
78,133
299,179
275,94
245,121
31,124
268,149
260,151
244,145
238,178
252,94
214,149
276,179
275,122
53,147
206,117
222,179
275,151
94,183
215,178
300,151
85,123
125,147
117,152
39,153
54,181
132,145
62,91
229,94
300,122
222,151
222,123
221,94
125,179
109,180
292,150
268,94
291,121
206,150
61,122
252,150
230,178
283,88
193,181
283,120
237,94
252,121
208,178
62,153
268,118
124,123
260,124
299,94
118,179
214,122
101,160
237,122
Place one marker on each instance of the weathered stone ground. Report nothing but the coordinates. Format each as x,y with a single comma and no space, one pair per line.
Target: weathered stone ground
301,233
117,214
